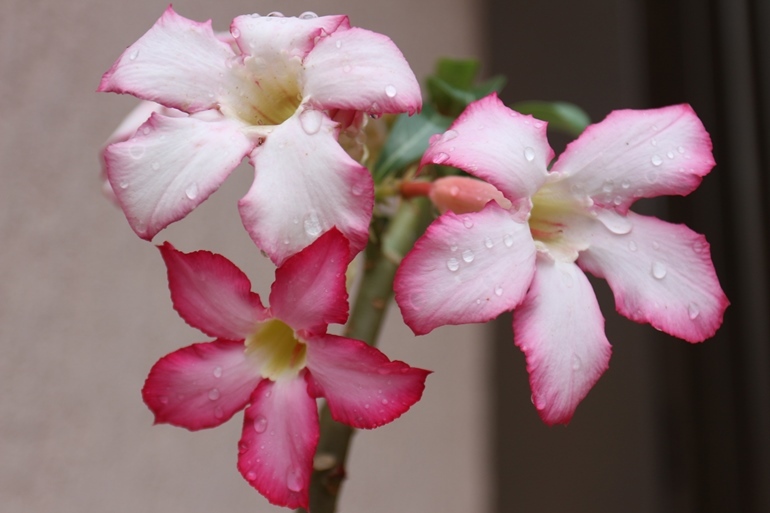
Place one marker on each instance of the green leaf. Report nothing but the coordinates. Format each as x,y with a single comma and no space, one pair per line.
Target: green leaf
493,85
408,140
459,73
562,116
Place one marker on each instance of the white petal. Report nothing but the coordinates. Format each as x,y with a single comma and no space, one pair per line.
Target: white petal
561,330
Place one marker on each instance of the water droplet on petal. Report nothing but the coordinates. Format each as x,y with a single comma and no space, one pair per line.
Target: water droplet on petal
251,475
136,151
653,142
467,222
658,270
390,91
508,240
698,246
488,243
123,185
145,130
656,160
453,264
632,246
670,154
693,311
219,412
218,372
338,43
294,480
163,399
214,394
311,121
308,15
449,135
529,154
235,32
440,158
275,14
625,184
312,224
576,362
260,424
134,55
566,279
680,149
498,291
192,191
608,186
468,256
384,401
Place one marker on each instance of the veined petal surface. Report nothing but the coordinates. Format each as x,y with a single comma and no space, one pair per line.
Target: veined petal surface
280,434
170,166
200,386
309,288
363,388
273,39
498,145
660,273
357,69
179,63
212,294
561,330
304,185
466,268
637,154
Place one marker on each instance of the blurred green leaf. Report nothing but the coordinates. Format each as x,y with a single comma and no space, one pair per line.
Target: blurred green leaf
459,73
562,116
408,140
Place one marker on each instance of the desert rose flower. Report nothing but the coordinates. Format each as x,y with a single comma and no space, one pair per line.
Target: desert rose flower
531,255
274,362
278,96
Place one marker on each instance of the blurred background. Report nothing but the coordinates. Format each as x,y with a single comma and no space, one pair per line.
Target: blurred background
84,311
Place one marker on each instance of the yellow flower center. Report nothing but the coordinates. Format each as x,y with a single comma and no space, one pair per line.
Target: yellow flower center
269,95
277,350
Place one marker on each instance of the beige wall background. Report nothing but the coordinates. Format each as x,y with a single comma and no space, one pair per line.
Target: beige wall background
84,310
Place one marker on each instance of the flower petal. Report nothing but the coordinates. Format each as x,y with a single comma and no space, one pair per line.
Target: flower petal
494,143
637,154
357,69
280,434
200,386
170,166
212,294
272,40
179,63
466,268
305,183
363,388
561,330
660,273
309,288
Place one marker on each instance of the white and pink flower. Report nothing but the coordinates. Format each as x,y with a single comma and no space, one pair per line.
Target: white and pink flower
274,362
278,95
531,255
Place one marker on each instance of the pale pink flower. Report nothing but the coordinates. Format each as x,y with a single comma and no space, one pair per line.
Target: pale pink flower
531,256
274,362
278,96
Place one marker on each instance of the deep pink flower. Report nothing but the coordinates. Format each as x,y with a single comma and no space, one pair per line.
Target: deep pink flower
531,256
274,362
276,96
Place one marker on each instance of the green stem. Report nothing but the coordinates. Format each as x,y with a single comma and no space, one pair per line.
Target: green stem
366,319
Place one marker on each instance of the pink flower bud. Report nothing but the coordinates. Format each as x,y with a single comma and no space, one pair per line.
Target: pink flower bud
463,195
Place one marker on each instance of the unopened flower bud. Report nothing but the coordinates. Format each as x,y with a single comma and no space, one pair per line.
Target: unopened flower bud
463,195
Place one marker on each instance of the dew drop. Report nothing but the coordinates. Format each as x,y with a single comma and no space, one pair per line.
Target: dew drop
134,55
508,240
338,44
529,154
453,248
163,399
218,372
440,158
632,246
308,15
155,166
670,154
311,121
693,311
251,475
498,291
390,91
145,130
214,394
192,191
453,264
625,184
384,401
312,224
539,403
467,222
658,270
275,14
488,243
576,362
449,135
468,256
260,424
294,480
680,149
566,279
653,142
136,151
698,246
656,160
235,32
123,185
454,191
219,412
608,186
